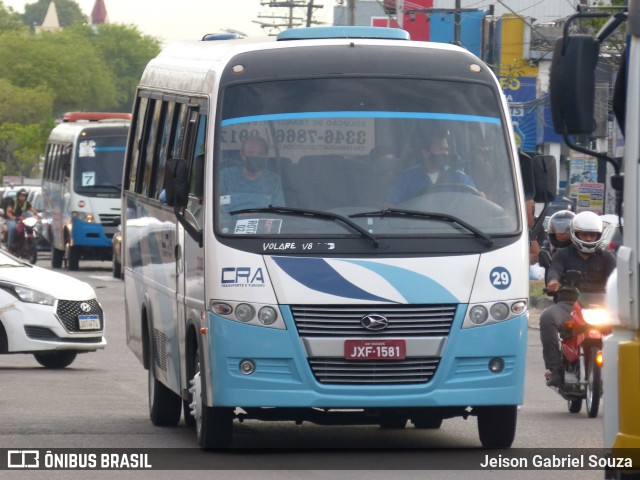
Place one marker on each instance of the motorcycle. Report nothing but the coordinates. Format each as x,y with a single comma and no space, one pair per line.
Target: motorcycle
25,241
581,346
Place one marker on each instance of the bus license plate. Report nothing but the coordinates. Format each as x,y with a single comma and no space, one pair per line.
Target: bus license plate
89,322
374,349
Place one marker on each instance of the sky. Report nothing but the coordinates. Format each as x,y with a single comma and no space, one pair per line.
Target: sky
177,20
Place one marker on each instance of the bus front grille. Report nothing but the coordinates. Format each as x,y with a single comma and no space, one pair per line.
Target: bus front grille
347,320
375,372
109,220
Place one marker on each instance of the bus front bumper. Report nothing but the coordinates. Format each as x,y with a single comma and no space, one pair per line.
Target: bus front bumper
283,376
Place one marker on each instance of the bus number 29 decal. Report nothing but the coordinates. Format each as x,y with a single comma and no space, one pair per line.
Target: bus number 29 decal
500,278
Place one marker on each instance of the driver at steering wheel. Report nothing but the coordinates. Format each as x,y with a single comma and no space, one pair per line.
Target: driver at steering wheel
432,169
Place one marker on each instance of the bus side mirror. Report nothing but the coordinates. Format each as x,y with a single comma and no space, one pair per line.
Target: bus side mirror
528,179
572,84
545,175
176,181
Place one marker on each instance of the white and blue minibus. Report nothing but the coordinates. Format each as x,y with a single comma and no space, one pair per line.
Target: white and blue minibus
82,185
295,285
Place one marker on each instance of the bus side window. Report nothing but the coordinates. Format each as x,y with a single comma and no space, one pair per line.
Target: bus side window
137,142
196,177
168,132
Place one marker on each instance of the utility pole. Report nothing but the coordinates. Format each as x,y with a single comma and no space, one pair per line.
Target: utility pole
294,17
352,12
456,25
457,18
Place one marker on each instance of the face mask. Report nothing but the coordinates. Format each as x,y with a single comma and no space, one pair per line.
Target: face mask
439,159
255,164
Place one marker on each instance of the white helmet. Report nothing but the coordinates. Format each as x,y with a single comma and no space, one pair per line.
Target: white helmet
587,222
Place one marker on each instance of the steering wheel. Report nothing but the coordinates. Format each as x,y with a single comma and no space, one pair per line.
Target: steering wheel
454,187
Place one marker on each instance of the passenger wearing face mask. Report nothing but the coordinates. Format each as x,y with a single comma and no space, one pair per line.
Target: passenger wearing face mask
251,185
432,169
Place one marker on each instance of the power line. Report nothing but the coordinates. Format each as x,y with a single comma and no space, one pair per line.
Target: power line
294,18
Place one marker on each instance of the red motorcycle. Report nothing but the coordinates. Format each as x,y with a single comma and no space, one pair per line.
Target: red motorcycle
26,238
581,346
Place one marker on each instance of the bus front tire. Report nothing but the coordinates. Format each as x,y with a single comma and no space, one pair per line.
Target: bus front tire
214,425
165,406
56,257
73,258
497,425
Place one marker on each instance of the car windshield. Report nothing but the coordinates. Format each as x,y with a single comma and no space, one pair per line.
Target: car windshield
355,146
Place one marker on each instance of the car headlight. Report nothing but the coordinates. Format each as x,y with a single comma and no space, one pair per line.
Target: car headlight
596,316
29,295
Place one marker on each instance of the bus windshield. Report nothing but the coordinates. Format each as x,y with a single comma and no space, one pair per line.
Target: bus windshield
98,166
373,150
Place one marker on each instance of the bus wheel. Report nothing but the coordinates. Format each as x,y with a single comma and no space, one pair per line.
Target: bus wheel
56,257
214,425
73,258
117,268
165,406
497,425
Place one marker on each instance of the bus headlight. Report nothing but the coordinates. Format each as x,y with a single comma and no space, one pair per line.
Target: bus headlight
488,313
267,315
478,314
499,311
245,312
83,216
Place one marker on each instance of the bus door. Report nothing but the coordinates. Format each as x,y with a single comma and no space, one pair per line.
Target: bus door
190,261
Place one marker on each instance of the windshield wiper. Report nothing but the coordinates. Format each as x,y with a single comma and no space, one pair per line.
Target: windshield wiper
112,187
442,217
303,212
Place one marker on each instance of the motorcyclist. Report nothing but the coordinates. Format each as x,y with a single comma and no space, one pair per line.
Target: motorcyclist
558,236
586,255
21,206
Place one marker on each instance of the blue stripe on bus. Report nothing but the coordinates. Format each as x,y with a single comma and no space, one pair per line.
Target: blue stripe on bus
109,149
318,275
364,115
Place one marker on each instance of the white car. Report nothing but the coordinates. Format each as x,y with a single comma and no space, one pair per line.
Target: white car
50,314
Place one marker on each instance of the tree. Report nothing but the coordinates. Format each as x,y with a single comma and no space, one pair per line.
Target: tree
24,105
63,62
69,13
21,147
9,19
126,52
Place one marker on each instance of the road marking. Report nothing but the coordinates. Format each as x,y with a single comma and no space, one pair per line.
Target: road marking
108,278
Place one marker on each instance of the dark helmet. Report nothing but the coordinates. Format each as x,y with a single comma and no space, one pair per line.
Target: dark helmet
560,222
23,191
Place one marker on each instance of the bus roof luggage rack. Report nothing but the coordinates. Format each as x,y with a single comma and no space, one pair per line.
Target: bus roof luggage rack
307,33
94,116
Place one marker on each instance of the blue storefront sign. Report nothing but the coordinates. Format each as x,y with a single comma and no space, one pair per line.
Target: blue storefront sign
521,95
